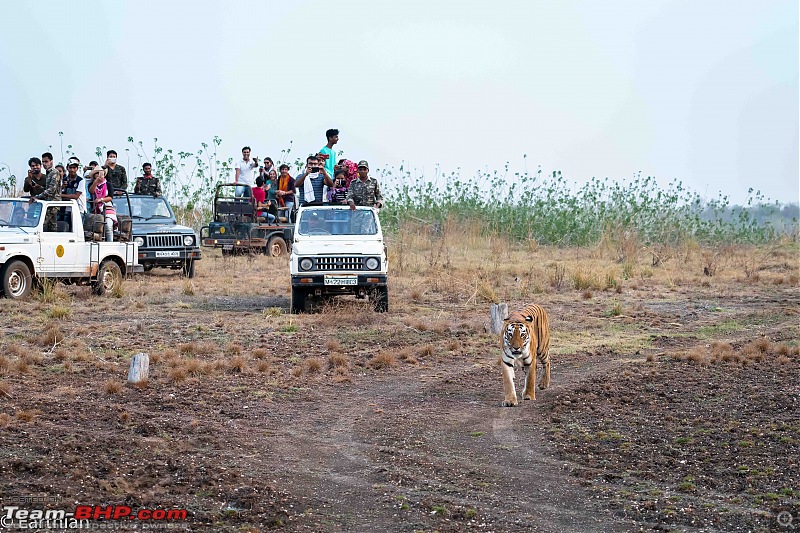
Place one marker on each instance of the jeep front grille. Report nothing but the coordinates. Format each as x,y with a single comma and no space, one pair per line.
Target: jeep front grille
339,263
165,241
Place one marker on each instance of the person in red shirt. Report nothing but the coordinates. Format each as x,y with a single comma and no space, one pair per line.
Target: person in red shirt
260,197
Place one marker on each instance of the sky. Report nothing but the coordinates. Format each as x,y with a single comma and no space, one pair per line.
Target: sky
702,91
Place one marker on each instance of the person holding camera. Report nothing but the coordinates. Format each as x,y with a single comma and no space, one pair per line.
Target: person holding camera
115,174
35,181
317,178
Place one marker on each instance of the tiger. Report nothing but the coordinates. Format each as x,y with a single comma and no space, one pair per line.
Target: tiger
526,337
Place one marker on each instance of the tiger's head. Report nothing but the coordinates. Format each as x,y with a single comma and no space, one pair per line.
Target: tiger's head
517,334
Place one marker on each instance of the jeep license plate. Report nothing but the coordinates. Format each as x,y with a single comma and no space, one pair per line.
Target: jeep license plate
174,253
341,280
227,247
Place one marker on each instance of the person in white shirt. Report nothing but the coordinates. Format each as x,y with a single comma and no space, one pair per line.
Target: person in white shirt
245,171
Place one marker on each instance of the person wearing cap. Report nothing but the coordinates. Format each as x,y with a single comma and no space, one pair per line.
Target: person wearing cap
147,184
364,190
73,187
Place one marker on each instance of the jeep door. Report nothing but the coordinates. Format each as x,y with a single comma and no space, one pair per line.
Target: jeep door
59,249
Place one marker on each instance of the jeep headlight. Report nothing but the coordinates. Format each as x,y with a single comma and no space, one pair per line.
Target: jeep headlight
306,263
139,241
188,240
372,263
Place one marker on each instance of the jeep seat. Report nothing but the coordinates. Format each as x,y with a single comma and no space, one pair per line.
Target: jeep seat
125,223
93,228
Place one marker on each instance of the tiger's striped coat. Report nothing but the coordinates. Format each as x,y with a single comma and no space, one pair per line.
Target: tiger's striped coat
526,339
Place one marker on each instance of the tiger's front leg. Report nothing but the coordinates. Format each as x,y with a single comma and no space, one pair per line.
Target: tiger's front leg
529,393
508,386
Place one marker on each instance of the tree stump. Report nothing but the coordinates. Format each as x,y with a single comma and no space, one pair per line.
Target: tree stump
139,369
499,312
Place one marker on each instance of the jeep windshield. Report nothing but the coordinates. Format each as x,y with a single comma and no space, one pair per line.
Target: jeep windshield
144,208
20,213
341,221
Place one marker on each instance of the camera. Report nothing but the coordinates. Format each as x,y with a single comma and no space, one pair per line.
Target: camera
313,169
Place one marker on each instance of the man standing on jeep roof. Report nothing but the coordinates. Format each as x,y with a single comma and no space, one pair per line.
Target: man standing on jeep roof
364,190
245,172
147,184
327,150
115,174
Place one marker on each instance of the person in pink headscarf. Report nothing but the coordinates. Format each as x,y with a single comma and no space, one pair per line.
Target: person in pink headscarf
351,170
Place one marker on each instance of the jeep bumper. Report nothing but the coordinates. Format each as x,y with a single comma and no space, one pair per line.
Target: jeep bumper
364,281
168,257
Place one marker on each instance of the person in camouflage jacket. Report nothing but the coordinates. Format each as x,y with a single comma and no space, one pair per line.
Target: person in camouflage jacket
52,191
364,190
115,174
148,184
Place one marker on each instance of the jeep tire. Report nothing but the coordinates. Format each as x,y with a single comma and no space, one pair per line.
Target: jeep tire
276,246
380,299
187,269
17,280
298,304
109,278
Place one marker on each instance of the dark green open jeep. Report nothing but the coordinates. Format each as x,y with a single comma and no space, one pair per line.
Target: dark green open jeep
237,230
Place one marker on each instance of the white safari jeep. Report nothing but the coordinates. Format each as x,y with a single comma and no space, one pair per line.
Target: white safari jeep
338,251
30,251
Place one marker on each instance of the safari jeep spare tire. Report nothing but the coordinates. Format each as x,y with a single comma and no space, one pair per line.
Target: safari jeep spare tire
17,281
109,278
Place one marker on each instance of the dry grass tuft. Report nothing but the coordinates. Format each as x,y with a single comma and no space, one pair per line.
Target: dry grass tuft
238,364
333,345
112,386
314,364
453,345
177,374
260,353
197,368
297,371
234,348
697,355
264,366
52,335
58,312
25,416
338,360
407,356
5,389
143,384
188,287
584,278
587,294
5,365
425,351
5,420
382,360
